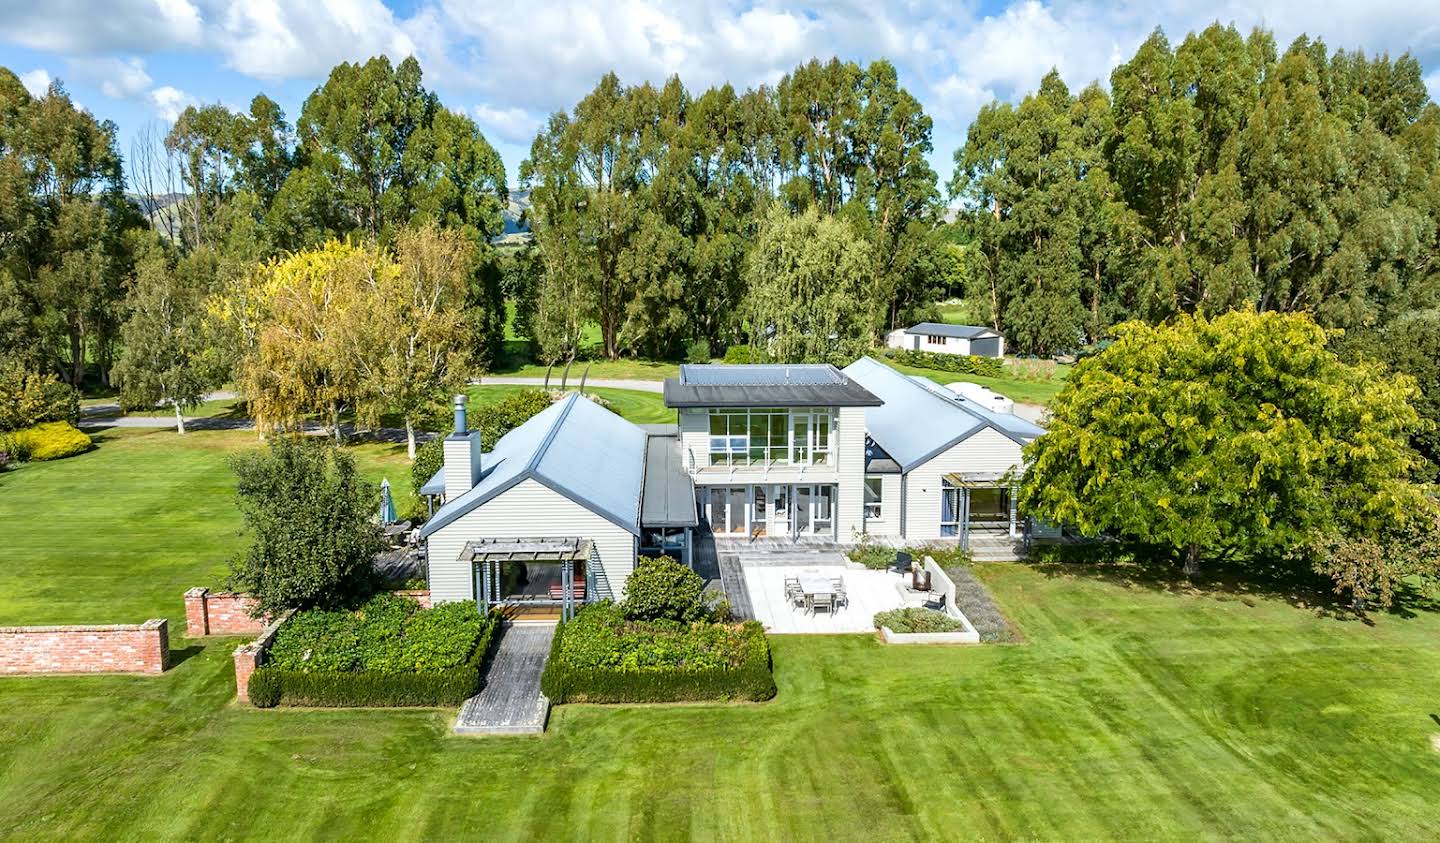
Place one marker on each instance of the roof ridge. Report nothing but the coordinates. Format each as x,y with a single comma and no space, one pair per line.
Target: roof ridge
544,446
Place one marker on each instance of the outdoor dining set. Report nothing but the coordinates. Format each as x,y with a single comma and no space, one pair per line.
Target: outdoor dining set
814,591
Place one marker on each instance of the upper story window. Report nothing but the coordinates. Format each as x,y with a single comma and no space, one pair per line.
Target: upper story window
771,437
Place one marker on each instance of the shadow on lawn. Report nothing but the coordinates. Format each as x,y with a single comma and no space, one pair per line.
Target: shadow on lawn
179,655
1157,569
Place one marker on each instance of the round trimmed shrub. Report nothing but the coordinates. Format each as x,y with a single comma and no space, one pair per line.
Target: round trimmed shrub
663,589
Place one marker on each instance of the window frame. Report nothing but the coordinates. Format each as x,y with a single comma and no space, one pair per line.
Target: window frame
874,510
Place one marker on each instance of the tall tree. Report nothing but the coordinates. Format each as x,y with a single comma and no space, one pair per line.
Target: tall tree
166,357
810,283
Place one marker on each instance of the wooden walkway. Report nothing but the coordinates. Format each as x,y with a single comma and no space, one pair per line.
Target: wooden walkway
510,702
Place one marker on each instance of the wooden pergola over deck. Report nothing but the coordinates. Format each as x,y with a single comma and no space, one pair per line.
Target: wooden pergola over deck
487,555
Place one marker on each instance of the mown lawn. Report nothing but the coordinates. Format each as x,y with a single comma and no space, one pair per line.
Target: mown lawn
632,404
1137,709
1026,390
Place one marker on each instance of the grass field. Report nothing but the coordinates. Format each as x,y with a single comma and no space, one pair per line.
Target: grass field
634,405
1016,388
1139,709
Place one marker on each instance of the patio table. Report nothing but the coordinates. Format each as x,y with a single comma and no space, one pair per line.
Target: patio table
813,584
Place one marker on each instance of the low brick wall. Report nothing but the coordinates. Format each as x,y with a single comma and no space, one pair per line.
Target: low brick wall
108,648
220,613
252,655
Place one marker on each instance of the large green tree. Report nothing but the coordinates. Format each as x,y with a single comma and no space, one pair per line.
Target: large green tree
1243,435
810,296
63,224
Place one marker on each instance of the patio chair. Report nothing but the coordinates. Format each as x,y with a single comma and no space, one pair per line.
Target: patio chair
822,601
838,586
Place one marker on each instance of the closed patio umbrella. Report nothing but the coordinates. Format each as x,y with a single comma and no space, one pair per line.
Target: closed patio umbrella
387,504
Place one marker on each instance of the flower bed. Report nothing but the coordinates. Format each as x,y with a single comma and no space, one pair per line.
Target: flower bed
388,652
600,657
917,620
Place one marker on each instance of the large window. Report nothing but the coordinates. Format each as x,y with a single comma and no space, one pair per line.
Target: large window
770,437
874,497
950,510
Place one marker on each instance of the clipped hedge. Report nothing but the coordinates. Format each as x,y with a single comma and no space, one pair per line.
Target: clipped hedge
272,685
961,364
915,619
747,678
45,441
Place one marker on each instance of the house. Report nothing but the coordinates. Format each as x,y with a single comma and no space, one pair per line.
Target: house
558,511
948,339
938,464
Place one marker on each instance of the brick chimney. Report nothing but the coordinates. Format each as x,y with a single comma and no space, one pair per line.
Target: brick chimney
462,455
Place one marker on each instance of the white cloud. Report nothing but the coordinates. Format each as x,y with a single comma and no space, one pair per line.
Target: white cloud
277,39
79,27
169,101
515,125
36,81
117,78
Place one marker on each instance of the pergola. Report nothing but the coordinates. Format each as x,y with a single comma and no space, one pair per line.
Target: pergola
488,555
965,481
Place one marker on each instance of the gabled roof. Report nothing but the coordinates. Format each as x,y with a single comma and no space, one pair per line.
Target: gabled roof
764,385
941,329
921,419
575,447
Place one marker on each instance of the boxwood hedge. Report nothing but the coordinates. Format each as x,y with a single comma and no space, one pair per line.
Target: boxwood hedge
605,659
277,684
962,364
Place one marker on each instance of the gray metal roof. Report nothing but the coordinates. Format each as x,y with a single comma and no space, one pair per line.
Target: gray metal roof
668,499
942,329
765,385
575,447
435,485
920,419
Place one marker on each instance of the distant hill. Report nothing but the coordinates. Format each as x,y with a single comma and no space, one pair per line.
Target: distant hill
519,204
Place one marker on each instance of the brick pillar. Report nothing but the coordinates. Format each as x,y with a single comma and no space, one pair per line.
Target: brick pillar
197,617
247,657
158,658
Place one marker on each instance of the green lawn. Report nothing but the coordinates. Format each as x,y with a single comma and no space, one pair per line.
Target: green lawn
1026,390
639,407
1138,709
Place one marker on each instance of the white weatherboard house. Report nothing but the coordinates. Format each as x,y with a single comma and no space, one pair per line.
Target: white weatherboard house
558,511
948,339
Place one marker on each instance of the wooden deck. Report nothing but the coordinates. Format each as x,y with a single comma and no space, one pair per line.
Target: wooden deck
510,702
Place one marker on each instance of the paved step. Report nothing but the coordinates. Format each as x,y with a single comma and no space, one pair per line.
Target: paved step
510,702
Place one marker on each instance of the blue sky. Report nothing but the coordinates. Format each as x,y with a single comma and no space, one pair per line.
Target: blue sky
509,64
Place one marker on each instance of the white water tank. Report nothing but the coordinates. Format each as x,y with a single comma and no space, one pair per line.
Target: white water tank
989,399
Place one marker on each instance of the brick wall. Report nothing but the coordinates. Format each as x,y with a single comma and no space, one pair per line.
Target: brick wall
220,613
252,655
114,648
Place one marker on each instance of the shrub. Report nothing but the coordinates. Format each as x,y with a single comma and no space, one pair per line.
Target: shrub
974,601
738,354
945,555
47,441
436,657
309,516
600,657
388,633
662,589
698,351
510,412
429,458
875,556
962,364
28,398
917,620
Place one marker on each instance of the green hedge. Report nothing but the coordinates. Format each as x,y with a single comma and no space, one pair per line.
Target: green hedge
916,619
271,685
961,364
751,679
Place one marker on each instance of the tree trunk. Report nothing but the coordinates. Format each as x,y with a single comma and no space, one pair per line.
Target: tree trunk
410,437
1192,560
77,357
179,418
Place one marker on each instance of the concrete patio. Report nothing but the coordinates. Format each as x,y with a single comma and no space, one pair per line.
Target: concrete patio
869,592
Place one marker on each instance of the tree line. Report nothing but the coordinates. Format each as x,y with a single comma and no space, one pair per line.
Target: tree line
1210,176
